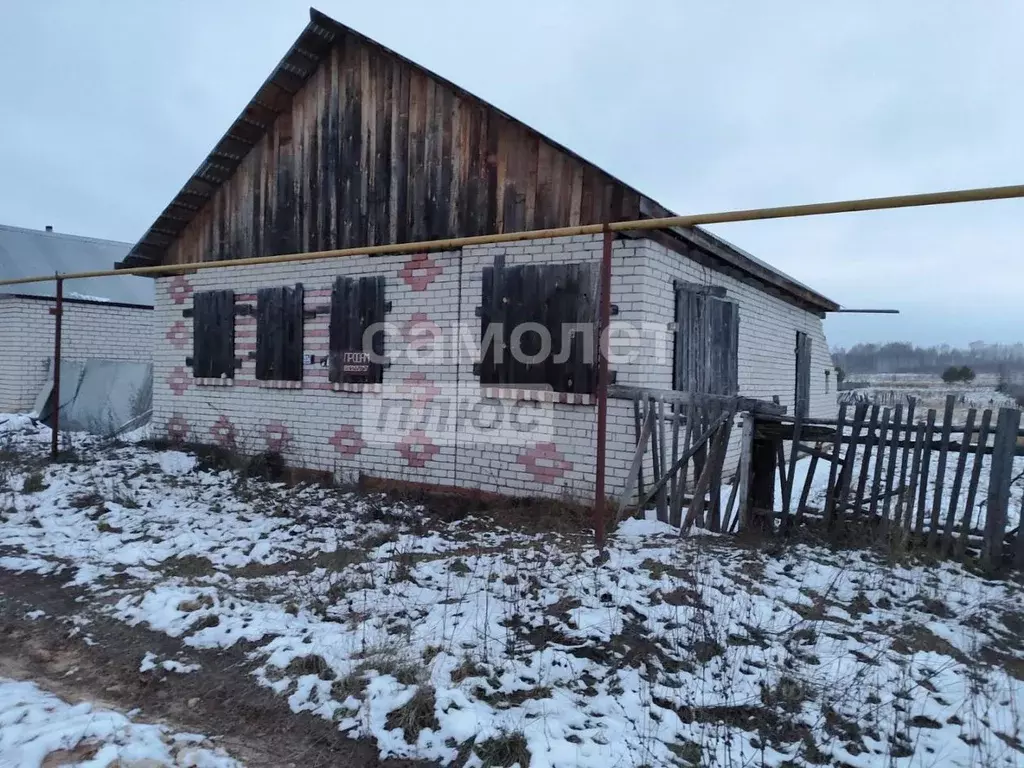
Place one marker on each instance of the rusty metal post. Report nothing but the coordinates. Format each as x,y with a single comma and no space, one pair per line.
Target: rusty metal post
602,384
58,315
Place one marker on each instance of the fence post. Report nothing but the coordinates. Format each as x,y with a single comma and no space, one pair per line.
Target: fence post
746,448
58,318
1000,476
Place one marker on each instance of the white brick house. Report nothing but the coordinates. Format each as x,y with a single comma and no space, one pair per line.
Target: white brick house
348,145
319,424
104,318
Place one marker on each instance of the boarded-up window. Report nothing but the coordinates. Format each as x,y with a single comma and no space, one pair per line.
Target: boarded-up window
534,303
803,374
213,335
357,330
279,317
707,341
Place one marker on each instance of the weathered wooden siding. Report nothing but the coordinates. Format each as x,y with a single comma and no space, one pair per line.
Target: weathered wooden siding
376,150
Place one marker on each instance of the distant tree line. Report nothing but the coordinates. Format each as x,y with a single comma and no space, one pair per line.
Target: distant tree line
904,357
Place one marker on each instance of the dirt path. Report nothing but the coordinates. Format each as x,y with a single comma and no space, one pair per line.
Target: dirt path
222,700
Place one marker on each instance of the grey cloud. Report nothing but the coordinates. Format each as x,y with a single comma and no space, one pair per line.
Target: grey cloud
110,106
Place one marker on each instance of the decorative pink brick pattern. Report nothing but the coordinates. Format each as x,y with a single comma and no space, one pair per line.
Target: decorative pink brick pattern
223,431
278,436
179,335
347,441
420,271
417,449
419,389
545,463
178,380
179,289
444,290
177,428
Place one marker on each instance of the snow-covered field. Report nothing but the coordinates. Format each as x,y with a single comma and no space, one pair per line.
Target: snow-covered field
465,642
929,390
39,729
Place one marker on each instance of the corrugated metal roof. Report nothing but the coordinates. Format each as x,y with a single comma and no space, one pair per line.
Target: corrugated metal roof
31,252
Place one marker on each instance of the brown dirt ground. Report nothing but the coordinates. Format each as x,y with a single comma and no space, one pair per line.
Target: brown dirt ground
223,700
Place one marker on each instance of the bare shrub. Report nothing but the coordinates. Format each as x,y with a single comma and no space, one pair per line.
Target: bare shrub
417,714
507,749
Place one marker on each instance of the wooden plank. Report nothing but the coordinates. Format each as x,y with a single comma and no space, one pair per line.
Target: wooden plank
200,319
876,480
803,375
716,478
1000,479
746,447
293,322
926,455
901,508
676,515
674,409
832,490
759,407
958,478
657,471
915,476
638,424
940,472
806,492
635,467
379,312
663,492
972,486
787,489
890,473
846,475
870,440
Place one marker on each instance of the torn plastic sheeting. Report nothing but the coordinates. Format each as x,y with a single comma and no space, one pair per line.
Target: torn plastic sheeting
98,396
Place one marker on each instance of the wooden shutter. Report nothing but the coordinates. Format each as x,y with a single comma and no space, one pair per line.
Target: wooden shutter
706,341
357,304
489,313
803,374
555,296
279,333
723,342
213,334
691,340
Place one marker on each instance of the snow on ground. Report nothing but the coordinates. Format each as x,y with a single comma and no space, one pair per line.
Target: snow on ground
466,641
37,728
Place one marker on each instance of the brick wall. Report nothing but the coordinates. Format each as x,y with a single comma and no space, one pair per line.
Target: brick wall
320,427
89,331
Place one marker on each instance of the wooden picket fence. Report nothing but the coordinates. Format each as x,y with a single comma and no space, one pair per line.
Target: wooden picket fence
918,483
681,445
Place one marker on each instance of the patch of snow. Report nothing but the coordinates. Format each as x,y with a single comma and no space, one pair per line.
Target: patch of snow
151,661
35,724
176,463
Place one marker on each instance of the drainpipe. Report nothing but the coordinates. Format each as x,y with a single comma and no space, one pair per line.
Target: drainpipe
602,385
58,313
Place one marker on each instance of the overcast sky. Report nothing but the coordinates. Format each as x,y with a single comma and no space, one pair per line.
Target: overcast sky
110,106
